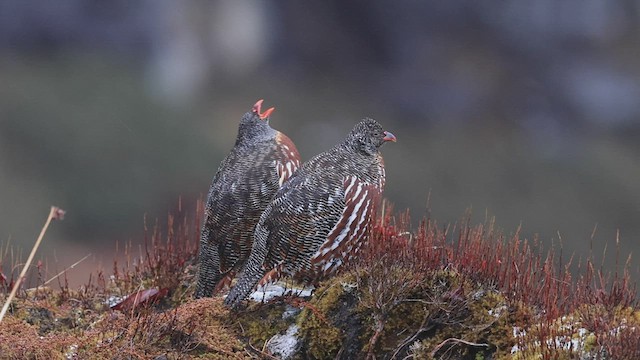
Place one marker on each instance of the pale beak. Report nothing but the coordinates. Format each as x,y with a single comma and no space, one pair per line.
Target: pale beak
389,137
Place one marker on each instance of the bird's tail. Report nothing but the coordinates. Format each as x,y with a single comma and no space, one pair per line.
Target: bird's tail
247,281
253,270
209,274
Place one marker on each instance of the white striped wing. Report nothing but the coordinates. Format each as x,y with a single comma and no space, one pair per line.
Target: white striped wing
285,169
288,158
347,236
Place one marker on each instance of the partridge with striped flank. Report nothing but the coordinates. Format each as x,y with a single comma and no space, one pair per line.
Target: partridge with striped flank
320,218
246,182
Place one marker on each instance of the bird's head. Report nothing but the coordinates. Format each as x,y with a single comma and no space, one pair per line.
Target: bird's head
255,123
367,136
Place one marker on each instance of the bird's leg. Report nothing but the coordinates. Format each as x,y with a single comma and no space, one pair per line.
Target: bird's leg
264,293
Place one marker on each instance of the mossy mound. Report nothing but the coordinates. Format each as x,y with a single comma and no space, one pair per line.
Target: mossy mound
343,320
444,315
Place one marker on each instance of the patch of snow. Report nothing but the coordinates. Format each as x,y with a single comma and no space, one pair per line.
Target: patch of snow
289,312
284,346
113,300
575,343
348,287
497,311
616,331
478,295
517,332
266,293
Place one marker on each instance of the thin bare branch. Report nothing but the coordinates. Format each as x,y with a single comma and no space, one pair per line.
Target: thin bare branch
55,214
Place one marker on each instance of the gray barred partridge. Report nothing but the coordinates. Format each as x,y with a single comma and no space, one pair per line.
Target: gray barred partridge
246,182
320,218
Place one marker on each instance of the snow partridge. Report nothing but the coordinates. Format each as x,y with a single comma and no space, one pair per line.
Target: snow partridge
261,160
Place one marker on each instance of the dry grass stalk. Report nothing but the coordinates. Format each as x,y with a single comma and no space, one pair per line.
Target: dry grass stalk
55,214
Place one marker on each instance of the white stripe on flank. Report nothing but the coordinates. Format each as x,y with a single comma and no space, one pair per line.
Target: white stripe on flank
356,195
281,173
351,228
361,220
345,231
289,168
352,217
326,266
332,265
353,181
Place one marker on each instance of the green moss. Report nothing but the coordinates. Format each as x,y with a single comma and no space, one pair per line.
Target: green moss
591,343
317,321
403,321
261,322
490,318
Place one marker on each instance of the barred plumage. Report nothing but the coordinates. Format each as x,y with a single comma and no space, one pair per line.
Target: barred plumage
321,216
246,181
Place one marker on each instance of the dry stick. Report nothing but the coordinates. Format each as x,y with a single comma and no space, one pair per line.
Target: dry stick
55,213
439,346
67,269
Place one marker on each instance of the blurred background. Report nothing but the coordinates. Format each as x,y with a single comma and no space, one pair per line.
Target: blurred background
523,110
